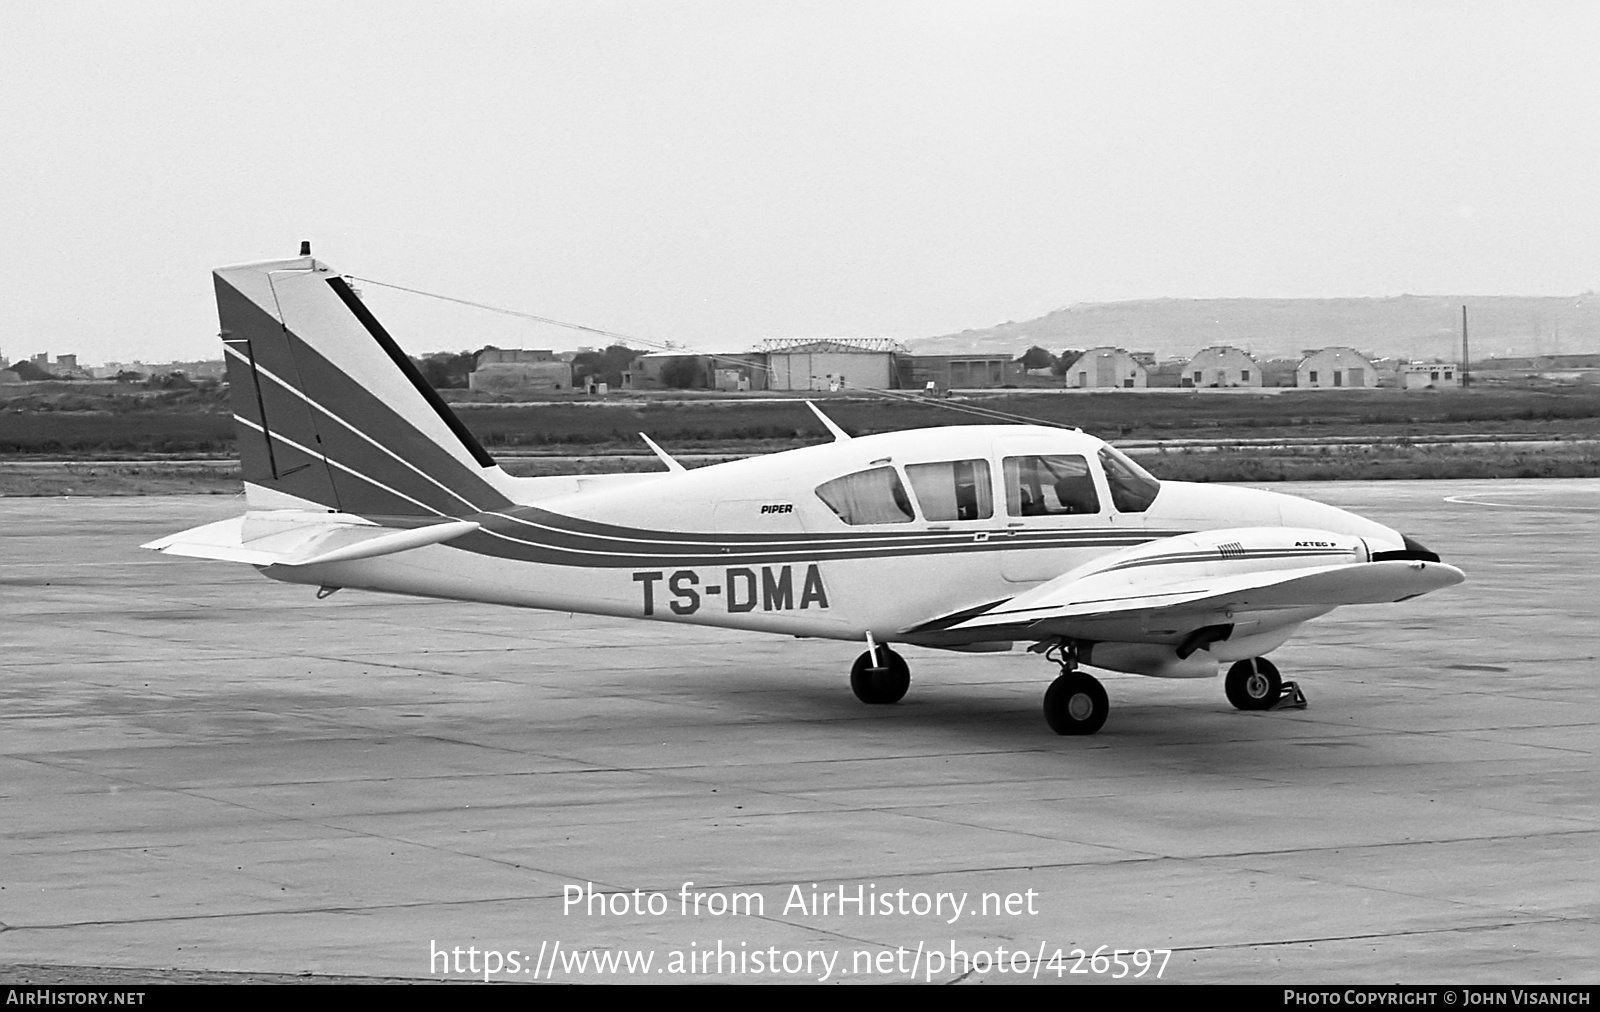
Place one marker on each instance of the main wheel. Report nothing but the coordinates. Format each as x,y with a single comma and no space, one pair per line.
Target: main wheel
885,684
1253,684
1076,703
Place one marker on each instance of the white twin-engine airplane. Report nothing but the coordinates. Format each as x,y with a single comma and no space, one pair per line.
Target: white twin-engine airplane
962,538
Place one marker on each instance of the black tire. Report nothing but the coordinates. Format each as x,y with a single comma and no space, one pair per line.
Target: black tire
1253,684
1076,703
880,685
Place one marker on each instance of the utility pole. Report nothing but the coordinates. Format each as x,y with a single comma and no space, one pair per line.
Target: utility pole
1466,356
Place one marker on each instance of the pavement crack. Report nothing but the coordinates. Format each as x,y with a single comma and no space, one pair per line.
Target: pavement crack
1370,935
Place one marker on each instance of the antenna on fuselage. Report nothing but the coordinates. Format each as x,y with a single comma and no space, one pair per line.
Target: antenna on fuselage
666,458
839,435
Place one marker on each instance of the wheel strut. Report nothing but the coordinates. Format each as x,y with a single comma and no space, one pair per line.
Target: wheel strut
1076,702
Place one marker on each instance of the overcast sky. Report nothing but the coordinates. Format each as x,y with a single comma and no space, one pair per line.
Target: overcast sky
716,173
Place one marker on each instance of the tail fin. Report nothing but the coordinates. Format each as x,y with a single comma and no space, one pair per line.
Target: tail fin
330,413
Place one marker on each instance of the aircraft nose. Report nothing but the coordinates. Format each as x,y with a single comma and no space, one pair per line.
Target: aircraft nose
1413,550
1418,550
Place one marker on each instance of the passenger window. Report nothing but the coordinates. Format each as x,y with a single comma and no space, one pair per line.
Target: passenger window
953,489
1049,486
1133,488
868,497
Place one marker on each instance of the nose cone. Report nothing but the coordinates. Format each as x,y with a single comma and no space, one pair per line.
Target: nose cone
1413,549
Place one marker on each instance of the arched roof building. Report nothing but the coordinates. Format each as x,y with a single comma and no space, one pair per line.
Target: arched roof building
1335,367
1222,365
1105,369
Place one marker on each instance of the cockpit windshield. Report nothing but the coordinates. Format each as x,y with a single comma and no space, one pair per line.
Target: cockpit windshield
1133,488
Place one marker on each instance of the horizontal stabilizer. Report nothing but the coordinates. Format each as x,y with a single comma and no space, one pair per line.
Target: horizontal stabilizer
267,539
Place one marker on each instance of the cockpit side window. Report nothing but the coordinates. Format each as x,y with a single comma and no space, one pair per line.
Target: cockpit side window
1054,485
1133,488
868,497
953,489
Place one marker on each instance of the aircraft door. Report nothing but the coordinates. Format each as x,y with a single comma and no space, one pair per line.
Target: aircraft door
1053,505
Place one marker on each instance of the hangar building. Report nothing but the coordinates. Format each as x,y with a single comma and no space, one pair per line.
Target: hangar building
839,363
1335,367
1107,368
1222,365
961,372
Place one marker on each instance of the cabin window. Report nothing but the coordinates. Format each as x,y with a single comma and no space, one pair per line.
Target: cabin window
868,497
953,489
1133,488
1054,485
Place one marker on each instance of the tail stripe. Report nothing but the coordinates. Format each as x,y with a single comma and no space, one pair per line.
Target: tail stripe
325,383
404,363
471,506
334,463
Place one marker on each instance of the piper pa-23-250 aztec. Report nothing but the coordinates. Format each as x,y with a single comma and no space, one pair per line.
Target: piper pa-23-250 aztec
968,537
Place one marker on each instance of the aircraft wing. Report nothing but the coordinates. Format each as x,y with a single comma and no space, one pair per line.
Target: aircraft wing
1323,587
294,538
1163,591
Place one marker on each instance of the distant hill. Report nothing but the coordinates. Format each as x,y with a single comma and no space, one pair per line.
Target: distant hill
1408,326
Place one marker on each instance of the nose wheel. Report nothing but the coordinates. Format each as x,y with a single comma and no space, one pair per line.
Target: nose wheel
1255,684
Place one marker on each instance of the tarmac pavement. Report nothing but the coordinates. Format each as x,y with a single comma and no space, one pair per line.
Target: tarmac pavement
204,770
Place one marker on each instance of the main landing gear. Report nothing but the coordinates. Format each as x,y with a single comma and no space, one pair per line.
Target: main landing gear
1255,684
879,680
1076,702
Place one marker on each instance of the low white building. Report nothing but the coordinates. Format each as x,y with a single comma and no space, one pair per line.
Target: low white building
1433,375
1222,365
1335,367
1105,369
513,378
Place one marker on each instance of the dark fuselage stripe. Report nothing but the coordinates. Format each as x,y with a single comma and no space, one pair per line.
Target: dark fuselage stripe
648,555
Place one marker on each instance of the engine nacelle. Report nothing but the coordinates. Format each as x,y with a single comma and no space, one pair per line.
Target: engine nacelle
1209,554
1154,659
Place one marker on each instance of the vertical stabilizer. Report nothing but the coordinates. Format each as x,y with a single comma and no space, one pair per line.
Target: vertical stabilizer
330,413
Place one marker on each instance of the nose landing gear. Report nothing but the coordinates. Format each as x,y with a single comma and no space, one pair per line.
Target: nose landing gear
1255,684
